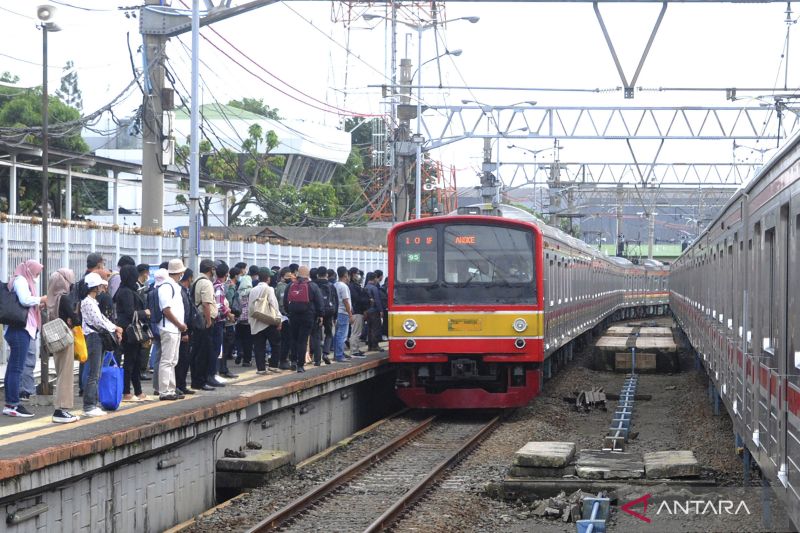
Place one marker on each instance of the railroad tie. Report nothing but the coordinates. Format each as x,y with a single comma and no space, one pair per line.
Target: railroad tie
620,426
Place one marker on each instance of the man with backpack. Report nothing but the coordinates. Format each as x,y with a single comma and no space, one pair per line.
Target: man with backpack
321,346
171,310
202,297
360,304
303,300
286,278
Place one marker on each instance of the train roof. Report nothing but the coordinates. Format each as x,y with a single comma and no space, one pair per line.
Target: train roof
747,187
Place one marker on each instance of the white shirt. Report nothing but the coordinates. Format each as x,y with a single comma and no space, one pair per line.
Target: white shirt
343,292
170,299
256,293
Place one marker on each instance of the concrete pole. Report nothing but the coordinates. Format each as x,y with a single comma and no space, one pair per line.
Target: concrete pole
68,196
115,197
152,135
194,149
651,233
418,180
12,187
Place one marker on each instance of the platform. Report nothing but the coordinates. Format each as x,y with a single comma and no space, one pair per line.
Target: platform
137,459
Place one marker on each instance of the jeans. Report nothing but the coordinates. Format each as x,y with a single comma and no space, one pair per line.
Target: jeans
94,345
342,326
217,332
155,359
26,382
18,342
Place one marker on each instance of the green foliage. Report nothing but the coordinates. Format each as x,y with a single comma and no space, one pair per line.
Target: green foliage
346,182
257,106
22,108
319,200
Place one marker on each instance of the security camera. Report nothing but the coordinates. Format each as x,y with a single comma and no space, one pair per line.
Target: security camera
45,12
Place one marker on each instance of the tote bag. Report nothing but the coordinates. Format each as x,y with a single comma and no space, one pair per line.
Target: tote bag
109,387
261,310
56,335
81,352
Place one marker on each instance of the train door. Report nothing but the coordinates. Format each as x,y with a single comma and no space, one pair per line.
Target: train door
792,359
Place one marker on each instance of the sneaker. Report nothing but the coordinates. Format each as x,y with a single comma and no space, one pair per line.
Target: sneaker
326,359
18,410
62,416
179,395
171,396
94,412
219,379
358,355
342,360
348,356
230,375
25,397
284,365
300,369
274,369
215,383
261,372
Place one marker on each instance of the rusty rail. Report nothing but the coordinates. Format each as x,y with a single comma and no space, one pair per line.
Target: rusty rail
277,518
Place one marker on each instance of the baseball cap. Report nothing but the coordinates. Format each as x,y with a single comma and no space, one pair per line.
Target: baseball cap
93,280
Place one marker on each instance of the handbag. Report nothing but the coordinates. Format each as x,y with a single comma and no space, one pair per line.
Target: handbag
81,352
12,313
56,336
262,311
109,340
138,331
109,386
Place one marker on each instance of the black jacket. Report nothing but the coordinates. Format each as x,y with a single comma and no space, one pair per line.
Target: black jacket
127,301
315,307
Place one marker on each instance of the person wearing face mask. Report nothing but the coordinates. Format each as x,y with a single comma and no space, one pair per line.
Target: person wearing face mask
360,302
25,285
61,305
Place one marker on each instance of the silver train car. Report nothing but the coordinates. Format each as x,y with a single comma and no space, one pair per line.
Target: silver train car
733,293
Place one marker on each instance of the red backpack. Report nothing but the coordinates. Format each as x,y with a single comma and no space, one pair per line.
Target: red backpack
298,297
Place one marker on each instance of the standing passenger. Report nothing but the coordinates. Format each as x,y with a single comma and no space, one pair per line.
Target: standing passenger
260,330
60,304
345,314
170,299
25,285
303,300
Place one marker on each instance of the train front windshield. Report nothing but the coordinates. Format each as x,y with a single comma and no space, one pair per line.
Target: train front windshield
464,264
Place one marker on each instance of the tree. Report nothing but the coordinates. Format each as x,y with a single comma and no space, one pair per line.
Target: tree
346,182
69,92
249,171
256,106
21,109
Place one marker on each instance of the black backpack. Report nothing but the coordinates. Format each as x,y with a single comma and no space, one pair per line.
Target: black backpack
330,300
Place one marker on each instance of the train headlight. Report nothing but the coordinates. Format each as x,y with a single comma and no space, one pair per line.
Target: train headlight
520,325
409,325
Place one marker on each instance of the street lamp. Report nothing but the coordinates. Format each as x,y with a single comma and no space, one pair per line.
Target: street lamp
45,14
420,28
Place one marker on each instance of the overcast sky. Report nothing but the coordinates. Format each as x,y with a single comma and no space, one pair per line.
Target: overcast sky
515,45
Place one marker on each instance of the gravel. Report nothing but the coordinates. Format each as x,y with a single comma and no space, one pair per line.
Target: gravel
679,416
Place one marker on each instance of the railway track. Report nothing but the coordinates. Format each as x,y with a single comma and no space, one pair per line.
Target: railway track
371,494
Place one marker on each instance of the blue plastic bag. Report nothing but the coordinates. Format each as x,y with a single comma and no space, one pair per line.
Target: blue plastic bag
109,388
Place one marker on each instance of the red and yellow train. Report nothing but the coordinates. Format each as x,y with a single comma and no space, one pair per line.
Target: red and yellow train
482,307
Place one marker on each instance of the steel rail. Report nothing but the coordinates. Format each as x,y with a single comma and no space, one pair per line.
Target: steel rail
408,499
277,518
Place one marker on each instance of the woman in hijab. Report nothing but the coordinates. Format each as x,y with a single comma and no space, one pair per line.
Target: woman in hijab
130,306
24,284
60,304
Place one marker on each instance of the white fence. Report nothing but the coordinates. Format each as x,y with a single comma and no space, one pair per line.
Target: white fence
70,243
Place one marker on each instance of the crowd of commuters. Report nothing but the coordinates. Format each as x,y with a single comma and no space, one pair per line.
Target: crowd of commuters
184,325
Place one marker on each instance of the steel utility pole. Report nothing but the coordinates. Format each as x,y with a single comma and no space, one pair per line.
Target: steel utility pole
152,132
